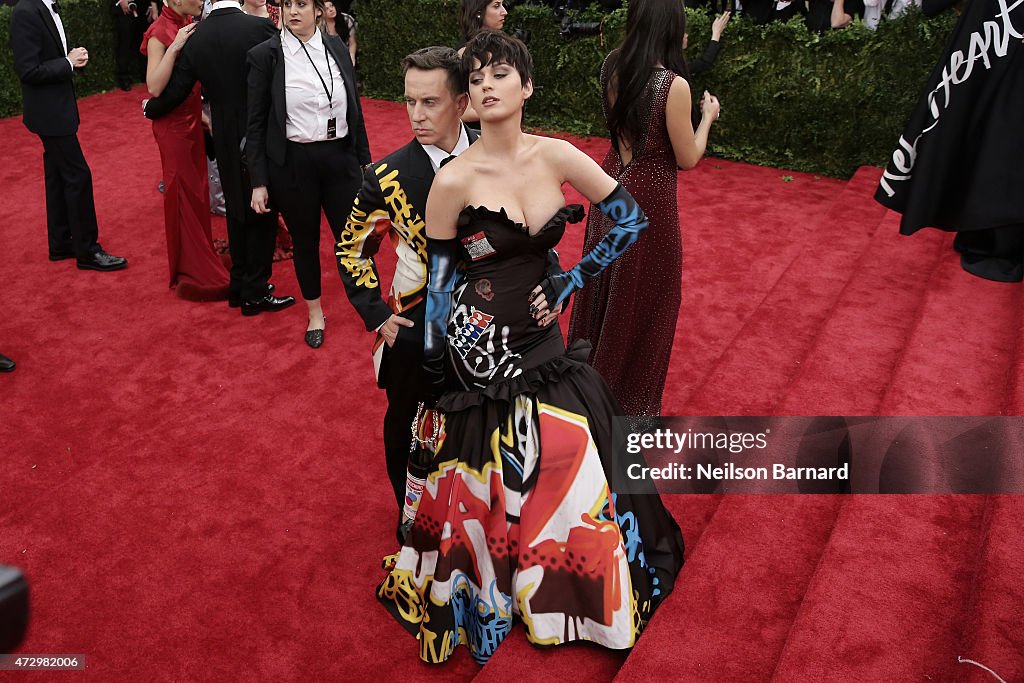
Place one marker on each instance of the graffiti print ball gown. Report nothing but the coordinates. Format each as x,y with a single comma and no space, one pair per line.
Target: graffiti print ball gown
518,516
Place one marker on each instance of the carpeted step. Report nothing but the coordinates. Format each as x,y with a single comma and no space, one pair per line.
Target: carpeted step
1015,392
887,599
741,226
733,607
957,360
518,660
849,366
992,632
752,373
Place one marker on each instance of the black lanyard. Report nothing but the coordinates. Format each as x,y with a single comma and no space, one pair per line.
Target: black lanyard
330,93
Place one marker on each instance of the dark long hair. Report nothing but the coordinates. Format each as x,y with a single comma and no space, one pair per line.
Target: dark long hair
654,35
471,17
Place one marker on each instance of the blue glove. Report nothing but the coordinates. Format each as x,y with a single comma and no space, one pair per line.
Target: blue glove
442,258
629,220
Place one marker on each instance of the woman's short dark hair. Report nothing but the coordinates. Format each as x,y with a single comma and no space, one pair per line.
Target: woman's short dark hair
471,17
497,47
439,57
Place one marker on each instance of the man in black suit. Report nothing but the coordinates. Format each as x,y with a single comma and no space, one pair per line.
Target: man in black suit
215,56
45,67
130,18
393,199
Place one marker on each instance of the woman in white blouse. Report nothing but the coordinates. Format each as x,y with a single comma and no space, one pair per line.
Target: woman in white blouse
306,141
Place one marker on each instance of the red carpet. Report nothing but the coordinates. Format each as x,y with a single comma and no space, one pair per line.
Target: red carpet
196,495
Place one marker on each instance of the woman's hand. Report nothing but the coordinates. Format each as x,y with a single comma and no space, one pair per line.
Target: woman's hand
539,308
181,38
710,109
719,25
260,199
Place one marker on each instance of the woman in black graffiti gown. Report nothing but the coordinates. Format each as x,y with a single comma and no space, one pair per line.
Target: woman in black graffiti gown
519,516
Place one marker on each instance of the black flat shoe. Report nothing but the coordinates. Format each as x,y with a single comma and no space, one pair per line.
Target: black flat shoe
101,260
235,300
6,364
268,304
315,338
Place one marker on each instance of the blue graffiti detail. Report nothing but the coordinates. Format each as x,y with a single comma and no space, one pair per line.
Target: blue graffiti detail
480,618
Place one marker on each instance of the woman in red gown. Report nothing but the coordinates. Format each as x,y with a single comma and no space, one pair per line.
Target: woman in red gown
195,268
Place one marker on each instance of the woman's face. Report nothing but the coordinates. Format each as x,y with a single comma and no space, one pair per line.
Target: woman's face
300,16
189,8
330,11
497,91
494,15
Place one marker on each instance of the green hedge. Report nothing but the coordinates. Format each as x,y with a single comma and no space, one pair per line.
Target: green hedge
87,23
789,98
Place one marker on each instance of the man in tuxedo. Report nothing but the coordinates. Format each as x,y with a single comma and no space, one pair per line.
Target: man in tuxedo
46,67
391,205
215,55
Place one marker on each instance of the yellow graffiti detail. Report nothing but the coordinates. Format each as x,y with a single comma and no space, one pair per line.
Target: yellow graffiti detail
351,247
434,652
405,218
398,588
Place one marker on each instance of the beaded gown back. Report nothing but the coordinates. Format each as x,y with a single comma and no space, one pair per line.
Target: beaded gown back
629,312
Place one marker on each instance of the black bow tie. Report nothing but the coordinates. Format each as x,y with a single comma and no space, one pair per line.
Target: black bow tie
446,160
55,7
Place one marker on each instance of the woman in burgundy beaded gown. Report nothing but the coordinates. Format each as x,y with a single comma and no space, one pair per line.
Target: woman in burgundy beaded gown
629,313
196,270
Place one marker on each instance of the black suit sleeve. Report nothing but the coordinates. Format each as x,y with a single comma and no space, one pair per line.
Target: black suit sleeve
260,101
362,143
27,36
706,60
183,79
359,139
368,225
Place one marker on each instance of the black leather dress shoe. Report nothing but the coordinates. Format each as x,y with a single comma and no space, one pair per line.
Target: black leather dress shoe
315,338
268,304
101,260
61,255
235,300
6,364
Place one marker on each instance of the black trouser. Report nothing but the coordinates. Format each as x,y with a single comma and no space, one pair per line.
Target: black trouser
128,32
315,175
251,236
70,209
402,379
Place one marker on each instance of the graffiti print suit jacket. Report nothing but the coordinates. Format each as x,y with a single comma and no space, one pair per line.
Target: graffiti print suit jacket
391,205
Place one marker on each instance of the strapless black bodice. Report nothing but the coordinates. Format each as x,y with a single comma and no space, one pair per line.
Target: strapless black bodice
492,336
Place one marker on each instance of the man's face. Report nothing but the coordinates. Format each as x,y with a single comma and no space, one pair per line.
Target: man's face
433,113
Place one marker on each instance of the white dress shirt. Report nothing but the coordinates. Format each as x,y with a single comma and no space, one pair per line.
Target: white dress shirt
437,155
222,4
307,103
60,30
